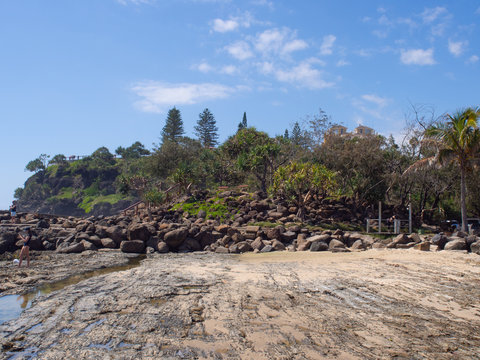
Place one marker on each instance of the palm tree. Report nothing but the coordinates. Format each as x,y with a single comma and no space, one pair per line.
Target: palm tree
457,140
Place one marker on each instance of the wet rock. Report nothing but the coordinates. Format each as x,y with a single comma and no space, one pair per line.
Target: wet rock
175,238
132,246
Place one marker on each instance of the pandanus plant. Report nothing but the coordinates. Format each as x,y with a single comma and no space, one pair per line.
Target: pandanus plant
457,140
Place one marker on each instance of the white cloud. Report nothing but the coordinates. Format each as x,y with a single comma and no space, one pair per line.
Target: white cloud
294,45
278,42
202,67
457,47
135,2
223,26
431,14
417,57
229,69
472,59
327,44
233,23
156,96
381,102
240,50
303,75
266,3
342,62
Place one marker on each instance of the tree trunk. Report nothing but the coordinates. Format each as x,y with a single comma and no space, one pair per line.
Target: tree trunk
463,202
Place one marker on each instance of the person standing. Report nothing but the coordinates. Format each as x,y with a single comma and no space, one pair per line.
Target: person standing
25,252
13,211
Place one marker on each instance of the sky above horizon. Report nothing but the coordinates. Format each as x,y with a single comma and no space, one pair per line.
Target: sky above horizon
78,75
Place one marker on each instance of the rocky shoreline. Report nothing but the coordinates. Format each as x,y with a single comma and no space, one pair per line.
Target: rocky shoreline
374,304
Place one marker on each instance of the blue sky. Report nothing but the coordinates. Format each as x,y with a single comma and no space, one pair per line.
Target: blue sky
77,75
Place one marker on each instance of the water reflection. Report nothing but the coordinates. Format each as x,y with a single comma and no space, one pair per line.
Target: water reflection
11,306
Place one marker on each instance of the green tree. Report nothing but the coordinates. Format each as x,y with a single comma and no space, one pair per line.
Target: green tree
458,141
300,182
58,159
18,193
243,124
297,137
173,129
102,156
38,164
254,152
206,129
134,151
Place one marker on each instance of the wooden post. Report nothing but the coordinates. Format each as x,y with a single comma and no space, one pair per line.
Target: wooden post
410,214
379,216
368,226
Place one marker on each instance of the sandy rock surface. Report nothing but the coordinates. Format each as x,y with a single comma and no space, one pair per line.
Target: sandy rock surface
377,304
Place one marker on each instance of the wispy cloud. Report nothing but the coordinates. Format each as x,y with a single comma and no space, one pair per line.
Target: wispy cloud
431,14
266,3
202,67
327,44
233,23
417,57
278,42
156,97
472,59
375,99
342,62
229,69
303,75
457,47
135,2
240,50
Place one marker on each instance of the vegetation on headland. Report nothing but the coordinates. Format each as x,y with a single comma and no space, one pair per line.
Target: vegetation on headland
304,164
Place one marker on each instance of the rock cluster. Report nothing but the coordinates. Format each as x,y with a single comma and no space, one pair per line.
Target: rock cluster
165,230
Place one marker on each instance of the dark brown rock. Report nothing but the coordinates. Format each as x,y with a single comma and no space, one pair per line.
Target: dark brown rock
132,246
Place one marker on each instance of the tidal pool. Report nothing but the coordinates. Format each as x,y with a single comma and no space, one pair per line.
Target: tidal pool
11,306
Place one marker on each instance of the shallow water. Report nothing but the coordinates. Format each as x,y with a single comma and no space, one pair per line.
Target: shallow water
11,306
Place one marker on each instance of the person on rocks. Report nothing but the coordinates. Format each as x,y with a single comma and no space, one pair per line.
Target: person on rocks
25,252
13,211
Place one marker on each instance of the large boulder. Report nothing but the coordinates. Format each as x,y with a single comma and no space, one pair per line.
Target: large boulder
439,240
336,244
70,248
456,243
7,242
277,245
319,246
108,243
140,231
475,247
116,233
175,237
132,246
